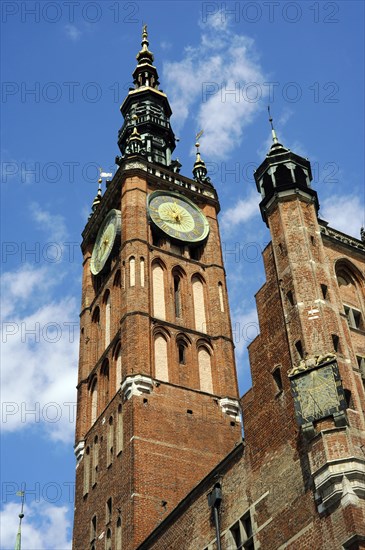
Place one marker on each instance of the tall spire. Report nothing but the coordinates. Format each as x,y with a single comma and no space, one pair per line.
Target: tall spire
146,130
18,542
145,74
144,55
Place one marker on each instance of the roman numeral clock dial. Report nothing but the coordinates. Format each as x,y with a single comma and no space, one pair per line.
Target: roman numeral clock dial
178,217
105,240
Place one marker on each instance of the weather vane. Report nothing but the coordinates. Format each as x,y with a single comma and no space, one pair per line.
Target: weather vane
198,135
18,542
274,137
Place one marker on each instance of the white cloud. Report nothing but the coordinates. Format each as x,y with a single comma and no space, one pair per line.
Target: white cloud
72,32
243,211
44,527
345,213
18,288
223,76
39,348
53,224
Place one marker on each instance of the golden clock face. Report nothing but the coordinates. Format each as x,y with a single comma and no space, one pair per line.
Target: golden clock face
177,216
317,393
105,240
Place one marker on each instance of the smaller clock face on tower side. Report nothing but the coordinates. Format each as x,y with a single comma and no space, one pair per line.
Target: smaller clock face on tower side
317,393
105,240
177,216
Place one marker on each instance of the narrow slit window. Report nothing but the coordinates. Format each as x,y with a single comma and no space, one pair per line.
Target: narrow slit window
324,289
182,353
177,296
299,348
290,297
277,379
335,342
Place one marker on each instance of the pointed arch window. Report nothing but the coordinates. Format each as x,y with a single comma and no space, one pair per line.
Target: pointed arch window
108,540
181,346
117,279
205,370
199,305
141,265
94,401
158,287
161,362
348,280
132,271
107,304
177,295
118,369
220,293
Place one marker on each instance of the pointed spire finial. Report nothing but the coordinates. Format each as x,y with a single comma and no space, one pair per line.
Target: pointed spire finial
274,137
144,55
199,170
18,542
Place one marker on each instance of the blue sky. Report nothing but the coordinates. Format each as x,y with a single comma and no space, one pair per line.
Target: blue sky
65,70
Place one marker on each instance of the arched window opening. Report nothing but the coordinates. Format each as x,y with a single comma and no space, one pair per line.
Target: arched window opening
132,271
107,304
96,315
324,290
267,184
108,540
117,279
123,274
142,271
299,348
290,297
158,287
220,293
182,353
94,401
283,175
348,284
348,399
205,370
199,305
177,295
161,362
335,342
276,374
300,176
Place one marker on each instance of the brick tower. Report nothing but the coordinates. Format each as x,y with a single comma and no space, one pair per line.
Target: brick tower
297,481
157,391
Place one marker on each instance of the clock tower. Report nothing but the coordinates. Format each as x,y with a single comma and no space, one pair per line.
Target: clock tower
157,390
